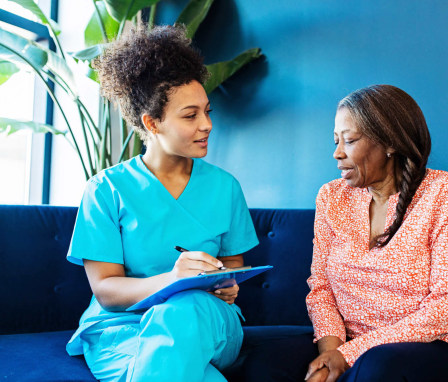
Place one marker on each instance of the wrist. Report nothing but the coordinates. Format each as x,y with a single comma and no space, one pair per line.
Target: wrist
171,276
346,354
329,343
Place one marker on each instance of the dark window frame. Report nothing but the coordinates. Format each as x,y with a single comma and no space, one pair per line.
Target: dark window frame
41,32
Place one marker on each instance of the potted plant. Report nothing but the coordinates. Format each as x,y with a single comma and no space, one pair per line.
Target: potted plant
94,147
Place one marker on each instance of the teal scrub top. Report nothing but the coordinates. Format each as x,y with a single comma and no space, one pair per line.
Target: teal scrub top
128,217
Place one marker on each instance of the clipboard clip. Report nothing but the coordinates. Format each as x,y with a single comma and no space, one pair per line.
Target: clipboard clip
224,271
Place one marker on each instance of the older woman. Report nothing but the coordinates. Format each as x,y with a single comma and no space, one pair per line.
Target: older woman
133,215
379,277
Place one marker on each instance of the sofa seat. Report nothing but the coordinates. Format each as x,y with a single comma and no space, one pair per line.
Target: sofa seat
37,357
30,357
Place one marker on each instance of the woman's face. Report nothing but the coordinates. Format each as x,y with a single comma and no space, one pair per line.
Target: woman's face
186,125
363,162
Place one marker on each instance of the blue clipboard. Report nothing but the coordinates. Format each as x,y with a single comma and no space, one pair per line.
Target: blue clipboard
207,282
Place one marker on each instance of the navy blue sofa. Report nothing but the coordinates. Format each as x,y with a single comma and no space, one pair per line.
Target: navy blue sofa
43,296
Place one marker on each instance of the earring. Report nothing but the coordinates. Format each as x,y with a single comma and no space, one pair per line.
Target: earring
389,155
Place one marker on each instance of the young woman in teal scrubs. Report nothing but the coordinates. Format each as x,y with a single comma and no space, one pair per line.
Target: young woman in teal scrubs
133,215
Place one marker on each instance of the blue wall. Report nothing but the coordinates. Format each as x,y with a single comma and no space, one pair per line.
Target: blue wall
273,121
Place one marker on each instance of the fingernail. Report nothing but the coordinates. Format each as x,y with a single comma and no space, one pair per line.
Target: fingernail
220,264
307,376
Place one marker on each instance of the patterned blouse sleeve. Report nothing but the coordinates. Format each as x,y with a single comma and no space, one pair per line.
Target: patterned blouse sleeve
430,321
321,302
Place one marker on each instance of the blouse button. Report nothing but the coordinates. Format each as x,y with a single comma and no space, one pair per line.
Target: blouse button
271,234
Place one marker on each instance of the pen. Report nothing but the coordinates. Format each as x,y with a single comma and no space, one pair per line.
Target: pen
180,249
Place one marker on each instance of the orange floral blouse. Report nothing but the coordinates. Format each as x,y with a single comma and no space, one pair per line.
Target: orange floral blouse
398,293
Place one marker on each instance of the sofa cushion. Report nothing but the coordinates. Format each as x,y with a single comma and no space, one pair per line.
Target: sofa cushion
277,297
40,289
40,357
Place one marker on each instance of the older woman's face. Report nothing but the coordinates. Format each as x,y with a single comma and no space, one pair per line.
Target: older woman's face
363,163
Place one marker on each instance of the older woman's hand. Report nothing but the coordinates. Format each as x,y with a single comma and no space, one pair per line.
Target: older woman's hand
332,361
319,375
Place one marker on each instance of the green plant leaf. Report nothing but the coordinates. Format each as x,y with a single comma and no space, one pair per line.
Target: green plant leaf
92,74
59,67
92,33
42,58
34,8
29,49
193,15
221,71
88,54
7,69
10,126
138,146
119,8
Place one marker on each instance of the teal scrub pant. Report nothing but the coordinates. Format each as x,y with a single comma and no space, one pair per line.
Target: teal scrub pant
187,338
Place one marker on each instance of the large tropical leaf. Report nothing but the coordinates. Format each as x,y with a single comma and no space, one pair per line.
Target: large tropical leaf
92,74
193,15
10,126
34,8
221,71
41,58
88,54
93,34
121,9
59,67
35,54
7,69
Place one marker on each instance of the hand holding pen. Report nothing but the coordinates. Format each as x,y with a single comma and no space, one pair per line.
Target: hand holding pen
192,263
180,249
205,261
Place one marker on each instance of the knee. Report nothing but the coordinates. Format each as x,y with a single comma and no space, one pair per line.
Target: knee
189,302
188,298
381,363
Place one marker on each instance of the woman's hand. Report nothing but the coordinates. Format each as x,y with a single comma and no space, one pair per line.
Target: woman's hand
319,375
192,263
227,294
333,361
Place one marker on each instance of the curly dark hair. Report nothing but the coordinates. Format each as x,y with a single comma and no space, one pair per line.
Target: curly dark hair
139,70
391,117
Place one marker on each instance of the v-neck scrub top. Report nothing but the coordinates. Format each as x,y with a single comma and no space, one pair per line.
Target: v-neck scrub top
128,217
397,293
